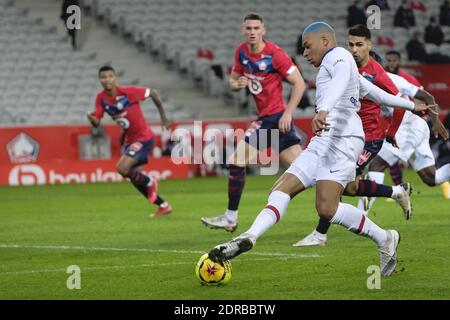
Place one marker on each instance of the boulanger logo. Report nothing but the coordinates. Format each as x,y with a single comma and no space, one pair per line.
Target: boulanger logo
22,149
26,174
32,174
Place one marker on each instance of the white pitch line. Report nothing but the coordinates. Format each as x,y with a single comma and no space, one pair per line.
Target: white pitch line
97,268
83,269
60,247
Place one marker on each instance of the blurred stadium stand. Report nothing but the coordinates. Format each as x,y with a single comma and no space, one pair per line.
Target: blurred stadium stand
44,82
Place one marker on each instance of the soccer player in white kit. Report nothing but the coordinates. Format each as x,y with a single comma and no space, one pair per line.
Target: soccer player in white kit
329,160
413,138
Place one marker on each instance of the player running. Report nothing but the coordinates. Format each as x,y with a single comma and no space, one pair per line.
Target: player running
413,137
122,104
329,160
260,66
360,45
393,65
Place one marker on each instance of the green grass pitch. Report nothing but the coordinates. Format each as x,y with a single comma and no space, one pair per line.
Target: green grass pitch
105,229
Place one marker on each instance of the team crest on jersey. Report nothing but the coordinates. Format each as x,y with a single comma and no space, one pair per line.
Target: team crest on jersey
122,103
262,66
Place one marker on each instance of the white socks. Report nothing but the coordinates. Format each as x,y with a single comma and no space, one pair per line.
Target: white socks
355,220
442,174
231,215
271,214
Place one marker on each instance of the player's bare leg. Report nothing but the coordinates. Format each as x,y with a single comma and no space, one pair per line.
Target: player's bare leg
434,177
328,207
287,156
147,186
237,166
286,187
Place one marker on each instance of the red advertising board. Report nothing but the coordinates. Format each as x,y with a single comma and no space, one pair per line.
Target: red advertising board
87,171
50,154
435,78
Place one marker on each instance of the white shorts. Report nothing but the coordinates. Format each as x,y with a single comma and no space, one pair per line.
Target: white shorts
328,158
413,140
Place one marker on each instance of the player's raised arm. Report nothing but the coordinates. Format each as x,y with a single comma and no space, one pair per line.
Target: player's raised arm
155,97
372,92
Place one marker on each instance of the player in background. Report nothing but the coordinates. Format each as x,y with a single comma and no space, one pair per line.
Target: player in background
393,65
121,103
260,66
329,160
413,137
360,45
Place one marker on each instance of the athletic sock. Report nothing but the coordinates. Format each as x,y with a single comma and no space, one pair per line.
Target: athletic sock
355,220
271,214
396,174
378,177
370,188
236,181
442,174
140,181
231,215
160,201
323,226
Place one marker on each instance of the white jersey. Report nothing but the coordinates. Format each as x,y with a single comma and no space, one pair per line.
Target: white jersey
407,90
337,91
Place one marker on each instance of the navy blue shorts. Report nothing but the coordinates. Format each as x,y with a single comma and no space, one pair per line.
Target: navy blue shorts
371,149
139,150
262,139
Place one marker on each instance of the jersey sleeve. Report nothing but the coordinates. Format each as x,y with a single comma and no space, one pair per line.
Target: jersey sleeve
384,82
137,94
372,92
98,112
283,63
405,87
237,67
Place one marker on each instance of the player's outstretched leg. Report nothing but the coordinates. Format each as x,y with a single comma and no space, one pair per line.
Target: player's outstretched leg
401,194
329,207
285,188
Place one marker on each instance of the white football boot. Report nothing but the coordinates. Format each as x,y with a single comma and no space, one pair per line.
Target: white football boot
388,253
220,222
404,200
313,239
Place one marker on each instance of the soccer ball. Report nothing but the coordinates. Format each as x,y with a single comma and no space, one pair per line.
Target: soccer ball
212,273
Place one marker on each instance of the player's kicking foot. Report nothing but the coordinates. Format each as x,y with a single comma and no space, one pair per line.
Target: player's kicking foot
162,211
404,200
233,248
388,253
311,240
220,222
152,190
